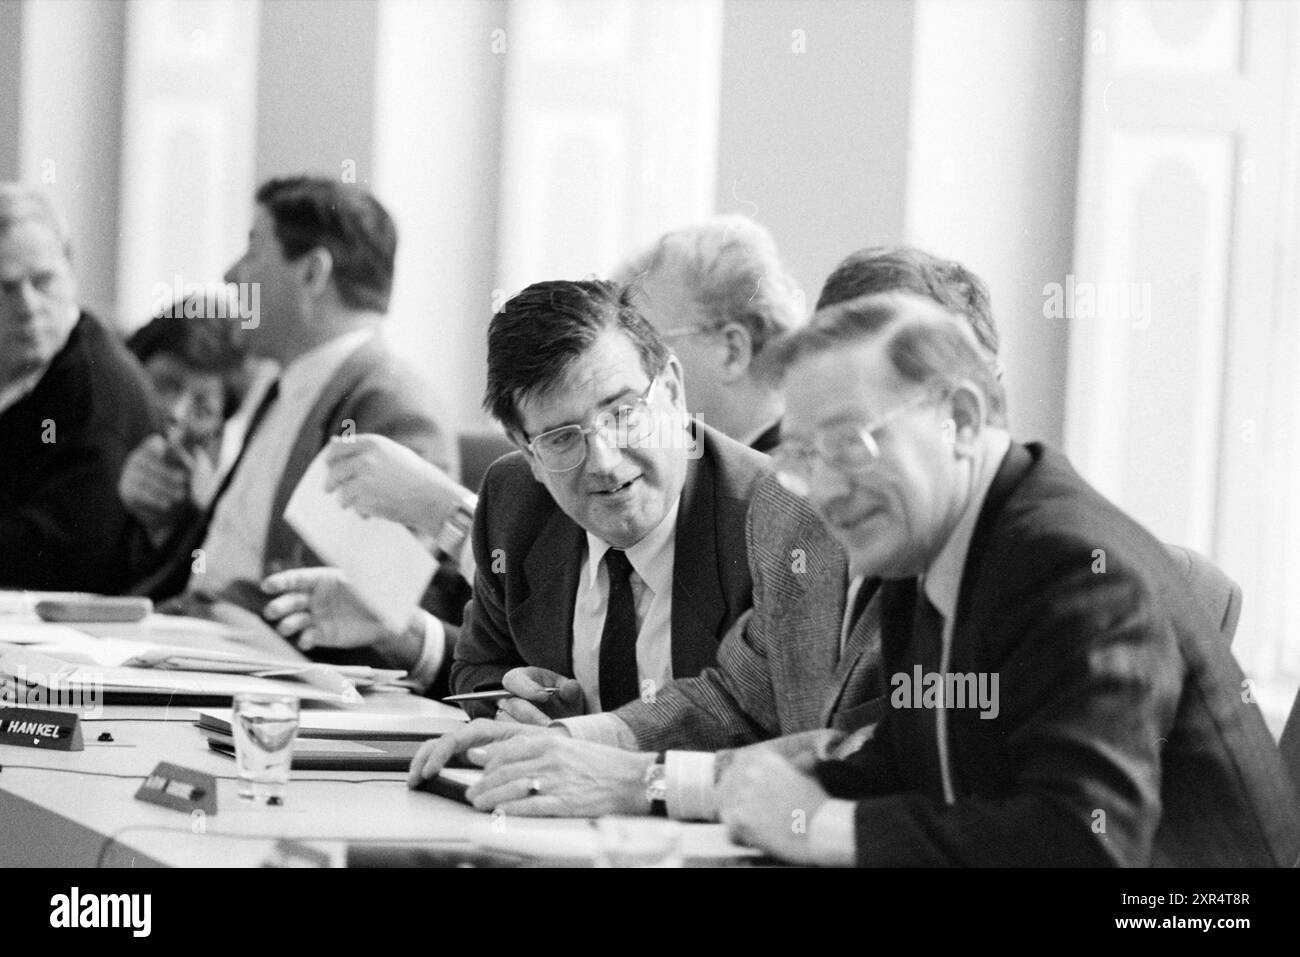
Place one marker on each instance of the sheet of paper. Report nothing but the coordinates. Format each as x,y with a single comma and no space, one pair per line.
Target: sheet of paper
34,667
384,563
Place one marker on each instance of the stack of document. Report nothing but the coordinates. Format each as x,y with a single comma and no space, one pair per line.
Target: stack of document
341,740
35,679
349,724
56,656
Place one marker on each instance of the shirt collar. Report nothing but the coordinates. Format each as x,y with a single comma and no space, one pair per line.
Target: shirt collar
651,558
307,372
943,577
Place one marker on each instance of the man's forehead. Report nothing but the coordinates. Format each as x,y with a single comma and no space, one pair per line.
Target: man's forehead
848,381
31,241
608,368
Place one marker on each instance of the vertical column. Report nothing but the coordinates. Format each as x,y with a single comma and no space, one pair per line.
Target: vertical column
316,88
437,139
187,155
11,56
991,172
610,125
70,112
812,137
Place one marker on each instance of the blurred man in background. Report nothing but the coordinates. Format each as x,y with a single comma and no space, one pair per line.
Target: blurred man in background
322,253
716,293
73,403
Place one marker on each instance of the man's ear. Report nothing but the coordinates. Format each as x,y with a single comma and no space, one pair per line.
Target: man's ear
968,407
738,351
674,383
317,269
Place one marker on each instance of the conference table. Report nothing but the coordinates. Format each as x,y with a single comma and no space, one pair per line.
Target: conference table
78,808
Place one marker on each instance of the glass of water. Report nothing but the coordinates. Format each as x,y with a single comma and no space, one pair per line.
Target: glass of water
264,726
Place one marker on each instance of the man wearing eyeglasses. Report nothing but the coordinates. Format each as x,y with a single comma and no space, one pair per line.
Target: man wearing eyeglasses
803,666
1057,695
717,294
610,549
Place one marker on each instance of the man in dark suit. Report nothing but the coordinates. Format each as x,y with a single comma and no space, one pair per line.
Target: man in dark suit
803,666
1057,694
610,548
320,256
73,403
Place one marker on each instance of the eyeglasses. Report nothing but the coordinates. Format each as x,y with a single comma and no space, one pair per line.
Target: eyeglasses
847,447
565,448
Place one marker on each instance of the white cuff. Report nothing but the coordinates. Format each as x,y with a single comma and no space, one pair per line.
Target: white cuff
602,728
832,834
688,776
426,668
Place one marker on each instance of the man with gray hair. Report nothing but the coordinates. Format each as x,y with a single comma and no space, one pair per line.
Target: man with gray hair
1057,695
73,403
716,293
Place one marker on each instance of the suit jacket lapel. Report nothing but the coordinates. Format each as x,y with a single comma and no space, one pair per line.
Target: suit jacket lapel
698,601
551,570
1011,472
806,633
863,642
284,549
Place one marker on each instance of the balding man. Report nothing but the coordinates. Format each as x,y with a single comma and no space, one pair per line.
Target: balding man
73,403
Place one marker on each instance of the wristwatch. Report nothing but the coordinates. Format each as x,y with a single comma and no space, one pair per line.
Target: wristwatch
451,537
656,786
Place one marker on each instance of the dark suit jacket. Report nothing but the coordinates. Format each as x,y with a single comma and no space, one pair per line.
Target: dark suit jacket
780,669
529,554
62,525
369,393
1121,737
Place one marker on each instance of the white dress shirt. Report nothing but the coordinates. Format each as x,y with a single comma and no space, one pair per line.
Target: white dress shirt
652,590
690,776
236,541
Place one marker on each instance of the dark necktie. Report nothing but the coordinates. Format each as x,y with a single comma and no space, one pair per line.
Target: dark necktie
618,674
927,647
864,593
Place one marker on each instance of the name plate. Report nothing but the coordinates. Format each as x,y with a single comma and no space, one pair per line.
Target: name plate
37,728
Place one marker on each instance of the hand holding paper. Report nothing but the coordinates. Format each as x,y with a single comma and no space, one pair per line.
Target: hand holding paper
384,563
375,476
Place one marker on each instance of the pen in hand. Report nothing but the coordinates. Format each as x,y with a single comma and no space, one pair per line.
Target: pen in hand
497,695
